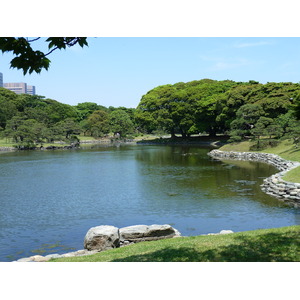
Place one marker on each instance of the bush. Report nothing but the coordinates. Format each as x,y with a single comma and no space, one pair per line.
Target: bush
235,139
259,145
263,144
273,142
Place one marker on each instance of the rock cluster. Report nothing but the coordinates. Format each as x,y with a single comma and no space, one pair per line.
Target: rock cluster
277,187
105,237
274,185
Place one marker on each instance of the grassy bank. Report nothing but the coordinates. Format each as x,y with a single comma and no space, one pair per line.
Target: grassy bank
286,149
265,245
6,142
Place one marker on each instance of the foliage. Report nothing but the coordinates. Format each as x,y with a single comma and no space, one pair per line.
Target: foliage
25,132
213,106
244,110
30,60
98,123
85,109
66,129
246,116
120,122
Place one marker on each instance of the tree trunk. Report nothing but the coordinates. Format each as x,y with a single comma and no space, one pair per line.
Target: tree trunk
173,136
212,132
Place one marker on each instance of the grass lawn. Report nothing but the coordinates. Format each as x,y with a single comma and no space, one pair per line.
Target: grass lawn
264,245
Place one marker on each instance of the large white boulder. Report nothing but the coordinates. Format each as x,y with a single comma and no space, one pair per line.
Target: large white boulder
102,238
138,233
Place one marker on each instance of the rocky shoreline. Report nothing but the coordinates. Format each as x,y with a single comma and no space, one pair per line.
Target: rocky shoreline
274,185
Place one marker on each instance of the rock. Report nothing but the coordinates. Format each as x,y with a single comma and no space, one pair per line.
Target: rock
25,259
102,238
226,231
38,258
49,256
138,233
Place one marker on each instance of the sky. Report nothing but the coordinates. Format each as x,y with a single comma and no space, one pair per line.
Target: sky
118,71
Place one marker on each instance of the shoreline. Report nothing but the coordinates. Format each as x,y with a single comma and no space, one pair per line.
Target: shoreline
85,252
203,141
274,185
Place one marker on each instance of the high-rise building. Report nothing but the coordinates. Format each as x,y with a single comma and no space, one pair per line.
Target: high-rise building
17,87
31,89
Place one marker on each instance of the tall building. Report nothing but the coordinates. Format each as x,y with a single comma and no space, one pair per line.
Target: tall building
31,89
1,79
17,87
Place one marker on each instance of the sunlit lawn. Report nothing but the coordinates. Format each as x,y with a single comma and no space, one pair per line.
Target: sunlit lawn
265,245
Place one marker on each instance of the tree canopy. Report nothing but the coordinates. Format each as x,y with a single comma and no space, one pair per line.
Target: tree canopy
241,110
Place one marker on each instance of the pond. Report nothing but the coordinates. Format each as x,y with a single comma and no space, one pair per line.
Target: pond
49,199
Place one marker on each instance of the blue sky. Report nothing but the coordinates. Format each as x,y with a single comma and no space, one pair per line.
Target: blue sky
117,71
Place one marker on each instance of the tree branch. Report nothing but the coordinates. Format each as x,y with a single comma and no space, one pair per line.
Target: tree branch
29,41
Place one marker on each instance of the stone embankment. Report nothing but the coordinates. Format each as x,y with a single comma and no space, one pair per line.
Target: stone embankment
273,185
7,148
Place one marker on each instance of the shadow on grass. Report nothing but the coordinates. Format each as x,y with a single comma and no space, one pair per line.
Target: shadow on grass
242,248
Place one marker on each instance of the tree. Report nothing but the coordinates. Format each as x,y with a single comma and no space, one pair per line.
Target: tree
7,111
120,122
66,129
246,118
30,60
296,107
167,108
87,108
26,133
293,131
98,123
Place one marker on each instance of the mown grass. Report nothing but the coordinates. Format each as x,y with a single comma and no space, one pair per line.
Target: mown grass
286,149
293,175
264,245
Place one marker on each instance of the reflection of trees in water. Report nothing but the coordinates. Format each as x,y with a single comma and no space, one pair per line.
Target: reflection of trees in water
181,169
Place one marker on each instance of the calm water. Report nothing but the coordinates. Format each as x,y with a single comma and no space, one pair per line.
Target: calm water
49,199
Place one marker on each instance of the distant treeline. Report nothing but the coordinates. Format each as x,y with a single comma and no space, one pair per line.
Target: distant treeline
240,109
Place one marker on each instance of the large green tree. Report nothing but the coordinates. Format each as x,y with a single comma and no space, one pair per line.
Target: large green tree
98,123
120,123
85,109
26,133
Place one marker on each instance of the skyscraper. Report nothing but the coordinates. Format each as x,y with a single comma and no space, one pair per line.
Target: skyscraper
17,87
31,89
